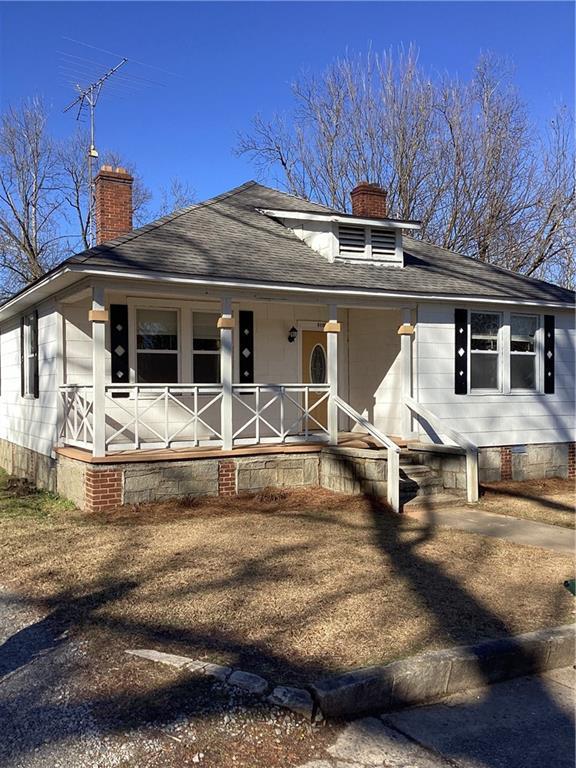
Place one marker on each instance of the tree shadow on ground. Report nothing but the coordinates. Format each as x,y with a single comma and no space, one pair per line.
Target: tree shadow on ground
547,502
117,711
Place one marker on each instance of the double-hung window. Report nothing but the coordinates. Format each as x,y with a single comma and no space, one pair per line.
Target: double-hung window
29,355
485,350
523,369
157,346
504,350
205,348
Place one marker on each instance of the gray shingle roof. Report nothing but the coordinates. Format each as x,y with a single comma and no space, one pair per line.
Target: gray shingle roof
228,238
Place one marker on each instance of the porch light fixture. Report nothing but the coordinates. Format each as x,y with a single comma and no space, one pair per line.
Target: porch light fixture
292,333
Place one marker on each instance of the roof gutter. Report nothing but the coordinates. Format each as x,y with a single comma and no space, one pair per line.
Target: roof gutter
150,276
43,282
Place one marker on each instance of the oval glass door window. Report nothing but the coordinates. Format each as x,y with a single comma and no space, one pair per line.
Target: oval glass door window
318,365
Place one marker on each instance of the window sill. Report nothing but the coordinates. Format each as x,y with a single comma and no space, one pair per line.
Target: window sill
512,393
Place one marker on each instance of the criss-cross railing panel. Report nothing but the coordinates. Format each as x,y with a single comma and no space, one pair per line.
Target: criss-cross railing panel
169,415
140,415
77,415
276,412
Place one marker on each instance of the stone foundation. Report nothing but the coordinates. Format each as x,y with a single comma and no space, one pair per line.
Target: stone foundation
540,461
96,487
39,469
353,470
287,470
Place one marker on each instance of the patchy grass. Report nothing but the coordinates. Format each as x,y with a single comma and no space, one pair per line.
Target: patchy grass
291,585
29,502
551,501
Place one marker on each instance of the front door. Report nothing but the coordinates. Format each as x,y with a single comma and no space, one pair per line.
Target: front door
314,371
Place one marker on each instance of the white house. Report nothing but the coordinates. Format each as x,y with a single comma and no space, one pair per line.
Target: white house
260,339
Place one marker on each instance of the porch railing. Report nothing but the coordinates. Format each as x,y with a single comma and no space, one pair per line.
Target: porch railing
166,416
276,412
423,414
393,451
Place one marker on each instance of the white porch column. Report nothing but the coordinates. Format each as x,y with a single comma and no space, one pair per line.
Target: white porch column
226,326
60,369
332,329
406,331
98,317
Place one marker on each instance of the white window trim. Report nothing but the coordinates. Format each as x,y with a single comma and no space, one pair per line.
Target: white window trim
537,355
499,340
185,330
200,352
133,325
504,354
27,355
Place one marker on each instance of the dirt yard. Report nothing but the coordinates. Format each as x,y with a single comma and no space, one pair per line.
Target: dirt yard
292,586
551,501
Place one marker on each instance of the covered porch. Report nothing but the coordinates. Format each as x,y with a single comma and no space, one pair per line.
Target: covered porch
342,368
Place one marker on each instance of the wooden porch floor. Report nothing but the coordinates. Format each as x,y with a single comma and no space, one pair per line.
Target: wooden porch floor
345,440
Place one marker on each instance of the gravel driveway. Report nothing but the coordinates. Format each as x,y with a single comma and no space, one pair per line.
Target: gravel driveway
65,704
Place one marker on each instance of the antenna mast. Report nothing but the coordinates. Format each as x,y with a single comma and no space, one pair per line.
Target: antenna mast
89,97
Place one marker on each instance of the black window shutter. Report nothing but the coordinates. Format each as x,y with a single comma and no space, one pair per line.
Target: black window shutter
461,351
119,343
549,354
36,373
246,325
22,374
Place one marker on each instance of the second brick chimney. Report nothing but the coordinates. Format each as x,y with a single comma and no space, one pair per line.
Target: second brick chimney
369,201
113,203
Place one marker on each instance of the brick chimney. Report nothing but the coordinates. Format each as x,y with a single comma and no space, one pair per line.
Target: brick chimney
113,190
369,201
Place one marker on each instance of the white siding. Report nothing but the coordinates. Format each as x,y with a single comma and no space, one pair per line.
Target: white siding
319,235
498,419
368,353
28,421
374,366
78,343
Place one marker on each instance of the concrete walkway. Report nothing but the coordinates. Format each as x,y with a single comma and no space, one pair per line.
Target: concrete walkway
501,526
522,723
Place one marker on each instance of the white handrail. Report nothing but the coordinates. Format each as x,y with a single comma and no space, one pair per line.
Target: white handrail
459,439
393,458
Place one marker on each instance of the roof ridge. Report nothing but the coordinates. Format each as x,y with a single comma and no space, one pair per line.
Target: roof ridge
296,197
488,264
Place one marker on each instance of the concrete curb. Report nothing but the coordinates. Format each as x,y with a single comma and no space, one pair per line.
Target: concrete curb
431,676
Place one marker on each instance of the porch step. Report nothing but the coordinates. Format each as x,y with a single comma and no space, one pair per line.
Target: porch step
419,474
435,501
418,480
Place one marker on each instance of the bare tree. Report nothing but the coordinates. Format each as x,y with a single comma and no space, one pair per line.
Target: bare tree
462,157
44,196
75,187
30,202
178,194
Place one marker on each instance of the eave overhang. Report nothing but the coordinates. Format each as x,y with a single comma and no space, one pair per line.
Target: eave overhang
342,218
51,285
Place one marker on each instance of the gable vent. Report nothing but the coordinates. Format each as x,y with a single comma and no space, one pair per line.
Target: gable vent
352,240
383,244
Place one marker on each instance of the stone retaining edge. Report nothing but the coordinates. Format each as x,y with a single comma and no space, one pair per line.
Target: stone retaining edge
433,675
421,679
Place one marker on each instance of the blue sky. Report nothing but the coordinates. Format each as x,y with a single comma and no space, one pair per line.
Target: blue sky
231,60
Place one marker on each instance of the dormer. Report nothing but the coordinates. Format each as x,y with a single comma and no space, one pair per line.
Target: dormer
366,236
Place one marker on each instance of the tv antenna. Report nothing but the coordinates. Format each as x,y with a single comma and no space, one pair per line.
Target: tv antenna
88,97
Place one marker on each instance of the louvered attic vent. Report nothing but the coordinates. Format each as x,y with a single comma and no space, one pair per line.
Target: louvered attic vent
368,244
352,241
383,244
